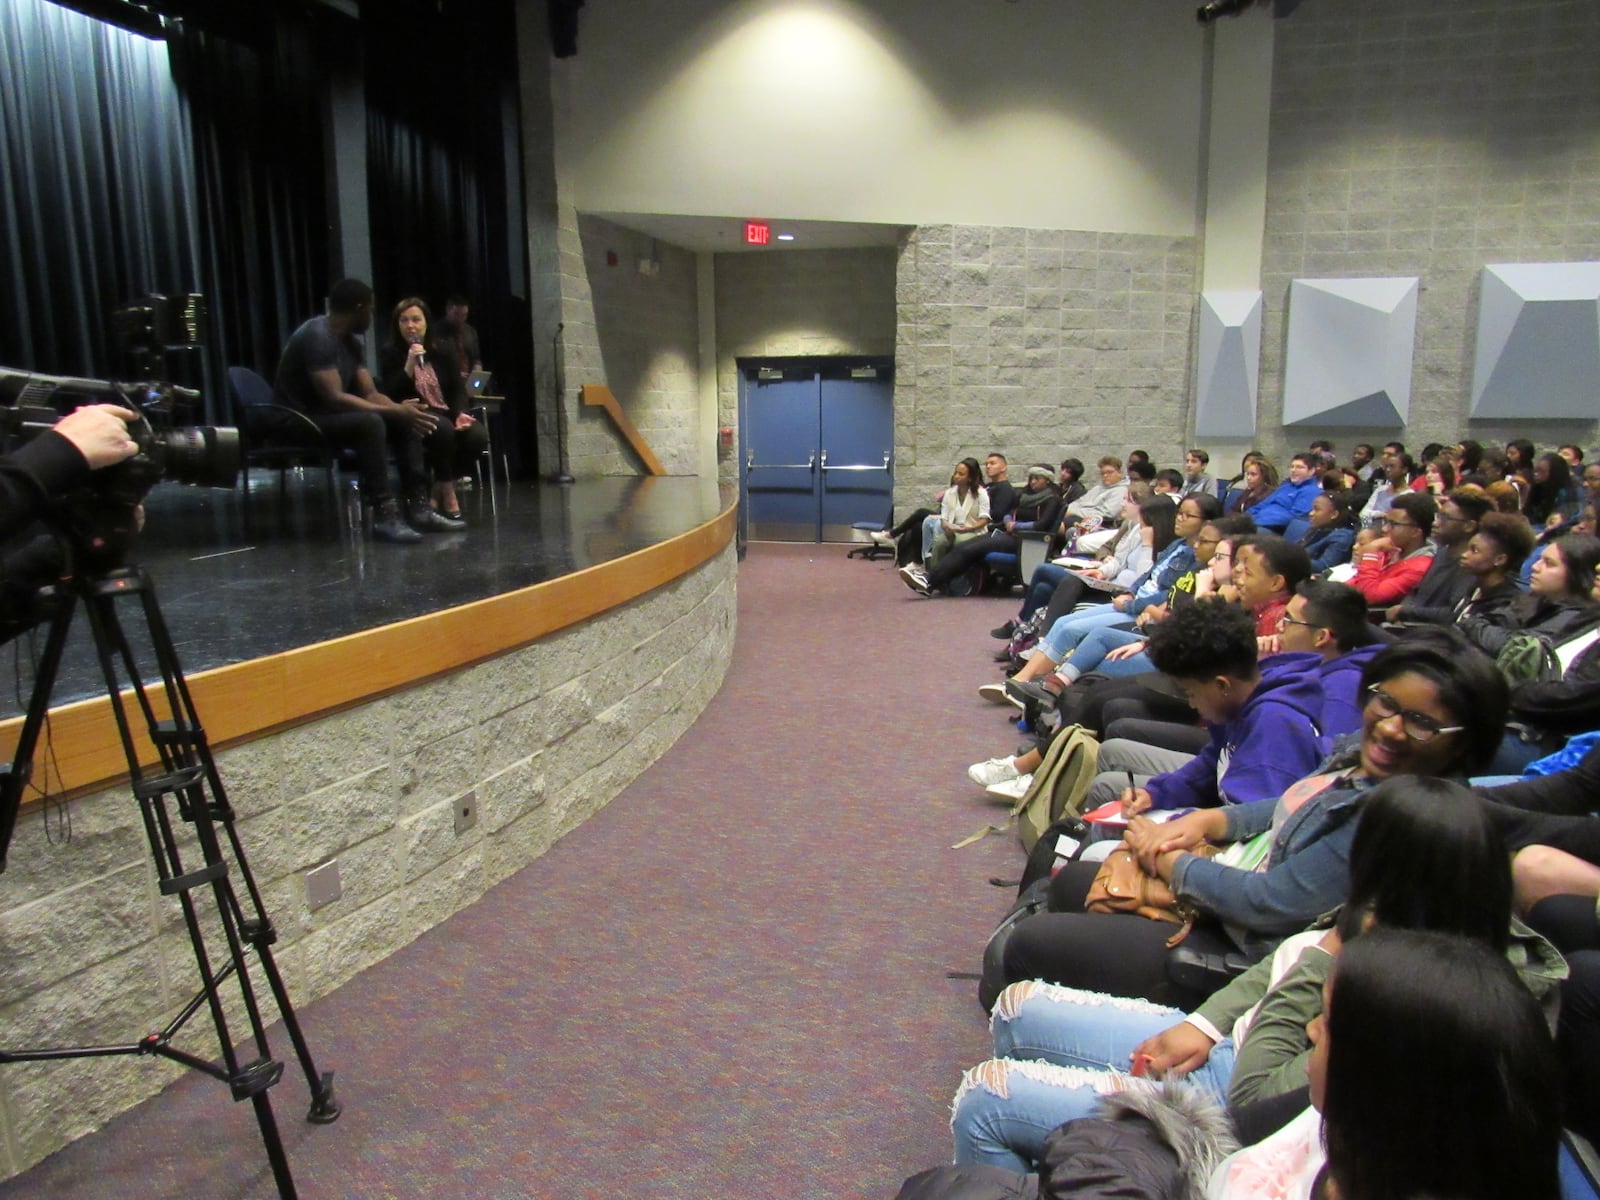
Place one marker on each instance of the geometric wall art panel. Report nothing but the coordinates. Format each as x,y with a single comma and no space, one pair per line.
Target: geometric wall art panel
1229,367
1350,350
1538,351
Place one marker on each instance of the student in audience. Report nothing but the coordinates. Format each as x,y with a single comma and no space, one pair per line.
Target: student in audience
1392,478
1291,500
1069,481
1264,720
1258,479
1331,535
1560,607
963,513
1465,1111
1552,500
1573,456
1056,1049
997,482
1390,566
1432,708
1492,560
1362,461
1505,496
1196,481
1439,476
1325,626
1466,457
1169,483
1266,571
1100,505
1444,584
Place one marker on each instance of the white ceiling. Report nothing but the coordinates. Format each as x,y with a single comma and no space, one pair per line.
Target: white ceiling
726,234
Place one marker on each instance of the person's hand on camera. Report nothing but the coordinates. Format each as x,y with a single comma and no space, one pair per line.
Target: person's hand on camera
100,433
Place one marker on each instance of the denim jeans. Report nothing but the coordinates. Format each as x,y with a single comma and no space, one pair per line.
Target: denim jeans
932,527
1066,633
1057,1050
1090,654
1041,587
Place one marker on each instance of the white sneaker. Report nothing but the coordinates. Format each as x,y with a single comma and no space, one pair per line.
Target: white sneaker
995,693
992,771
1011,790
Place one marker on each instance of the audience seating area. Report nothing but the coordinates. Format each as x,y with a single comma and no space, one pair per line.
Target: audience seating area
1256,713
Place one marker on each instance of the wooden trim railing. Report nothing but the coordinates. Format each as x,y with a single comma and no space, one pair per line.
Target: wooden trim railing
597,395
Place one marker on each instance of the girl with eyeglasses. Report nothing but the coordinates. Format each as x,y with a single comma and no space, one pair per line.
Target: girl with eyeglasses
1431,708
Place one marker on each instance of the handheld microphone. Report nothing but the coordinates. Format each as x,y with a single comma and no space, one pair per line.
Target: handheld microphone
422,359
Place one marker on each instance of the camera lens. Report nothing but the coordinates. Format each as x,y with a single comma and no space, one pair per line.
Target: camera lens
204,455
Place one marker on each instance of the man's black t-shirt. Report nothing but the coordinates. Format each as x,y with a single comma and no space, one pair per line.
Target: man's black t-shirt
314,347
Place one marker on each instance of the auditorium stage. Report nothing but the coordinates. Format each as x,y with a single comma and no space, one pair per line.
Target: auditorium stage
301,617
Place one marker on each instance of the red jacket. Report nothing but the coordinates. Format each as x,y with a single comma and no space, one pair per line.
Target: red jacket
1385,580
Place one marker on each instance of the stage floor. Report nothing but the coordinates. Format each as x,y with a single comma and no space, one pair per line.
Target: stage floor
298,579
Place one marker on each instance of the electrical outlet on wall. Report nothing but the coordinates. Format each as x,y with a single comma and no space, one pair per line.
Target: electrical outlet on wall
466,811
323,885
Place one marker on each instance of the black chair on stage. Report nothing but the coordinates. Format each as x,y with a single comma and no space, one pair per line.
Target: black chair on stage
277,438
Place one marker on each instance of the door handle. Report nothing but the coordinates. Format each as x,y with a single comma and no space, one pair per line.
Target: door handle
857,466
750,464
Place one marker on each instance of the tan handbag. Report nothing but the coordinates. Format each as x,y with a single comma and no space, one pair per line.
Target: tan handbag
1121,886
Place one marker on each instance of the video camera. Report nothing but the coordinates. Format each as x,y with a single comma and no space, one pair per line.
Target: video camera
99,517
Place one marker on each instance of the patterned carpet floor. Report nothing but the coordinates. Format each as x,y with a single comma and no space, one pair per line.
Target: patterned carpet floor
731,982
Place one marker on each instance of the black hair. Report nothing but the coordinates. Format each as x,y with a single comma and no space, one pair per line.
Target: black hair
1367,446
1234,525
1202,640
1405,466
1341,610
1205,459
1471,454
455,299
348,295
1210,507
1474,502
1161,515
1141,468
1557,486
1577,451
974,473
1420,507
1343,515
1441,1074
1307,458
1173,479
1138,456
1580,554
1512,533
1471,688
1075,466
1525,453
1321,446
1432,451
997,454
1283,557
1457,877
1397,447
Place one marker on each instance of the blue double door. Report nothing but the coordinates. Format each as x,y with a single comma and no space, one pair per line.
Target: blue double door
817,445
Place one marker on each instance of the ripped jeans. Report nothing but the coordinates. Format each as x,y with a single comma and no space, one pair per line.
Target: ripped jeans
1056,1051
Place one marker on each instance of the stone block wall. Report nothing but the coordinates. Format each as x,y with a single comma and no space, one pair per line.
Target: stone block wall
635,333
541,738
1419,137
797,303
1039,344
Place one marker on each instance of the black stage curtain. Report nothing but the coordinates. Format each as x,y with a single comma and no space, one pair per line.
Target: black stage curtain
255,119
96,207
444,176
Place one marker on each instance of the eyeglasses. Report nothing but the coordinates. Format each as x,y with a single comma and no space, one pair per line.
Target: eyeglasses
1393,524
1207,541
1419,727
1222,558
1449,516
1286,619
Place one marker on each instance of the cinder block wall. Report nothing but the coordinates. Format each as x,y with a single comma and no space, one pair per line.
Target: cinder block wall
543,737
1038,343
798,302
1413,137
635,333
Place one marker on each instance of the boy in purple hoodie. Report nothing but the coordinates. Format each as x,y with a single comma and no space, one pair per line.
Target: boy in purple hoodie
1265,723
1325,629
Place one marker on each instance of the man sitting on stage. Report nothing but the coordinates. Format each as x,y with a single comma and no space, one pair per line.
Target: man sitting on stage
321,374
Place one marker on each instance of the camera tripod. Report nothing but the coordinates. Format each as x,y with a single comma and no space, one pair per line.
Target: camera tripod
185,785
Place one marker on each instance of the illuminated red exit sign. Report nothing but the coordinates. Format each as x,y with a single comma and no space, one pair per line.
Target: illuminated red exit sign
757,233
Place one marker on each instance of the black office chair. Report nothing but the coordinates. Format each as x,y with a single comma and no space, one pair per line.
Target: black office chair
278,438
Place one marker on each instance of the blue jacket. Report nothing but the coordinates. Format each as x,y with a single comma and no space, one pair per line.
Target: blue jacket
1329,546
1274,741
1341,686
1291,500
1152,587
1307,871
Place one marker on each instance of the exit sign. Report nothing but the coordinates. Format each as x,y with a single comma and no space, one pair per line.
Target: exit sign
757,233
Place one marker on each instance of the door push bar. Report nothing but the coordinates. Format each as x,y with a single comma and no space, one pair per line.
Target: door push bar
887,457
750,463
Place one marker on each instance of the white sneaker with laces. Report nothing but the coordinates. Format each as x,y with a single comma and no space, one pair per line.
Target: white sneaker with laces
995,693
915,578
1011,790
992,771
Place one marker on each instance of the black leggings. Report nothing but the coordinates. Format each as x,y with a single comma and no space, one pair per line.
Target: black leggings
1118,954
